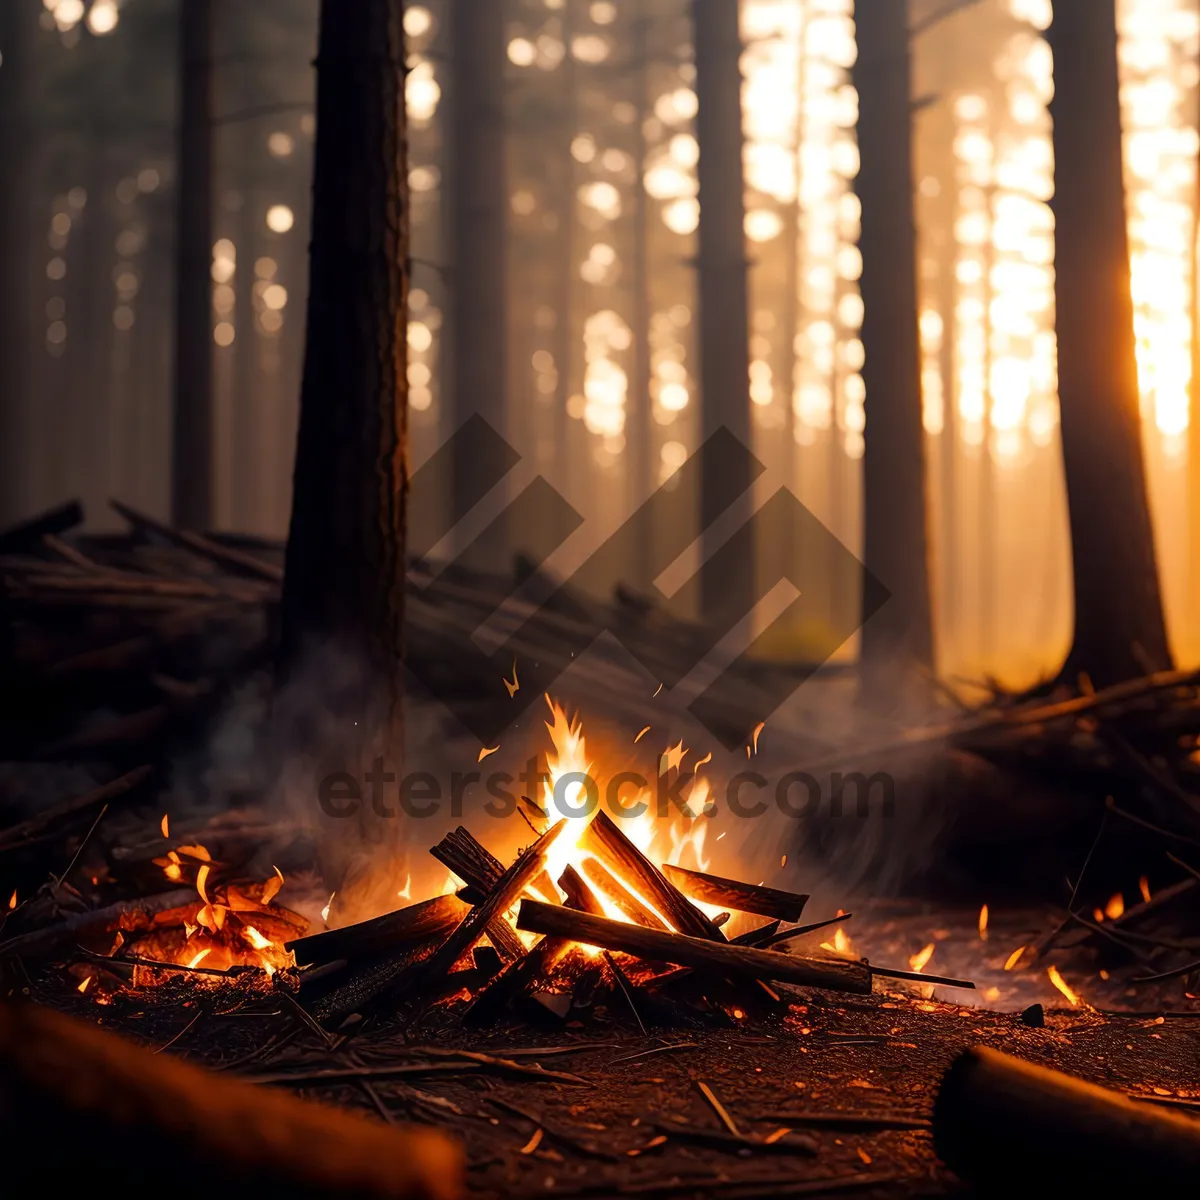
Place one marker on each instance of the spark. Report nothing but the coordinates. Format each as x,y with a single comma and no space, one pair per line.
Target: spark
983,922
515,685
83,987
328,906
1115,906
534,1142
12,900
754,736
918,960
485,751
1014,958
783,861
641,735
1144,888
1062,985
166,825
405,893
198,958
201,881
657,690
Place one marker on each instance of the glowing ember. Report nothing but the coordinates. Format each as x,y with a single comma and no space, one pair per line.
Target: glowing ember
485,751
754,736
166,826
83,987
641,734
1115,907
922,956
515,685
1014,958
328,906
983,922
1144,888
12,900
405,893
198,958
1062,985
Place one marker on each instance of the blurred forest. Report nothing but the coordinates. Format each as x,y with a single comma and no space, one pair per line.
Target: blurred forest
554,172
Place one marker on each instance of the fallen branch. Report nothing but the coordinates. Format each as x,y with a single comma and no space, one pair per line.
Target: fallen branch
417,921
657,946
733,893
16,835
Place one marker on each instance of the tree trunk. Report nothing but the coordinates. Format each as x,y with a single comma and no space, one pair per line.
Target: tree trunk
894,503
1119,627
723,333
18,26
343,592
192,437
477,198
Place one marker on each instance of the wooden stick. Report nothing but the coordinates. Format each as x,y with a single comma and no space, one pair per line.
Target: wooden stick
657,946
626,861
225,556
426,919
463,854
129,1115
733,893
25,537
498,901
15,835
1004,1122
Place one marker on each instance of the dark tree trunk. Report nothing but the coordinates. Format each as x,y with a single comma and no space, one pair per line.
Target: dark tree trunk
192,436
894,503
1119,628
477,199
723,334
344,587
18,26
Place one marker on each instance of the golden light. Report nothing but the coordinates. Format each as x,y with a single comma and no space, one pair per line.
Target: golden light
919,960
280,218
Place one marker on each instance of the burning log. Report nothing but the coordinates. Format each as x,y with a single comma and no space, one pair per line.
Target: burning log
426,919
1001,1123
481,871
656,946
733,893
502,897
130,1115
625,861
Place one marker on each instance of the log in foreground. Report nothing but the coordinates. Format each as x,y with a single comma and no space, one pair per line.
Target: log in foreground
657,946
425,919
733,893
129,1116
1013,1128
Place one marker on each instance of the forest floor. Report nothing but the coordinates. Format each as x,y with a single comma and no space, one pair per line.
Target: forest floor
619,1110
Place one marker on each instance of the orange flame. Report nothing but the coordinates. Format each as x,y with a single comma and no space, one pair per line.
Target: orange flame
922,956
1062,985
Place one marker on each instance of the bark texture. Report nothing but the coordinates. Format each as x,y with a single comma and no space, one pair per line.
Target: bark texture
192,435
1119,627
894,500
343,595
723,339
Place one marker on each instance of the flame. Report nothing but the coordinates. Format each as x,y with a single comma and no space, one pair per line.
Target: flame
922,956
166,826
328,906
83,987
484,751
198,958
272,886
840,944
754,736
12,900
1014,958
983,922
1115,906
1062,985
405,893
256,939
